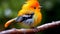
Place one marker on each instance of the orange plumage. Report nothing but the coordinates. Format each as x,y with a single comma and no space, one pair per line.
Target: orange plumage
29,7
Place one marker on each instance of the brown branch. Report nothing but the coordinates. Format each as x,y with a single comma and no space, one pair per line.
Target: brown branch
31,31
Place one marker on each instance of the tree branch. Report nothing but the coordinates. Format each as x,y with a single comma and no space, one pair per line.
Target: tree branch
32,31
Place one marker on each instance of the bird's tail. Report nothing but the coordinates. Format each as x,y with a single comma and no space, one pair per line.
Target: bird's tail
9,22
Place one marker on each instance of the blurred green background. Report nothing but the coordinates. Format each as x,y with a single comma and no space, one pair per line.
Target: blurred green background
9,9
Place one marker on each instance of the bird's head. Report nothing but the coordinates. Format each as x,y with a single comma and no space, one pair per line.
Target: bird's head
31,5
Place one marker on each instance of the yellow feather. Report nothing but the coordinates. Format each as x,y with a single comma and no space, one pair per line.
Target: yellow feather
29,6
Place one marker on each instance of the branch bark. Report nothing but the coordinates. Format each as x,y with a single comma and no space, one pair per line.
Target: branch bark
32,31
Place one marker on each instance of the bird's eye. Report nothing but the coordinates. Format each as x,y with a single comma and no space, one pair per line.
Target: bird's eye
34,7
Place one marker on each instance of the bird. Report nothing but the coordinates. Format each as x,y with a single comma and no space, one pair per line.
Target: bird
29,16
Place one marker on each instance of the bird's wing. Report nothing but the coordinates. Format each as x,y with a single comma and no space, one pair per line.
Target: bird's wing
25,18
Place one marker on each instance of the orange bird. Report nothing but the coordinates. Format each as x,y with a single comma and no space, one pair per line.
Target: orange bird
29,16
